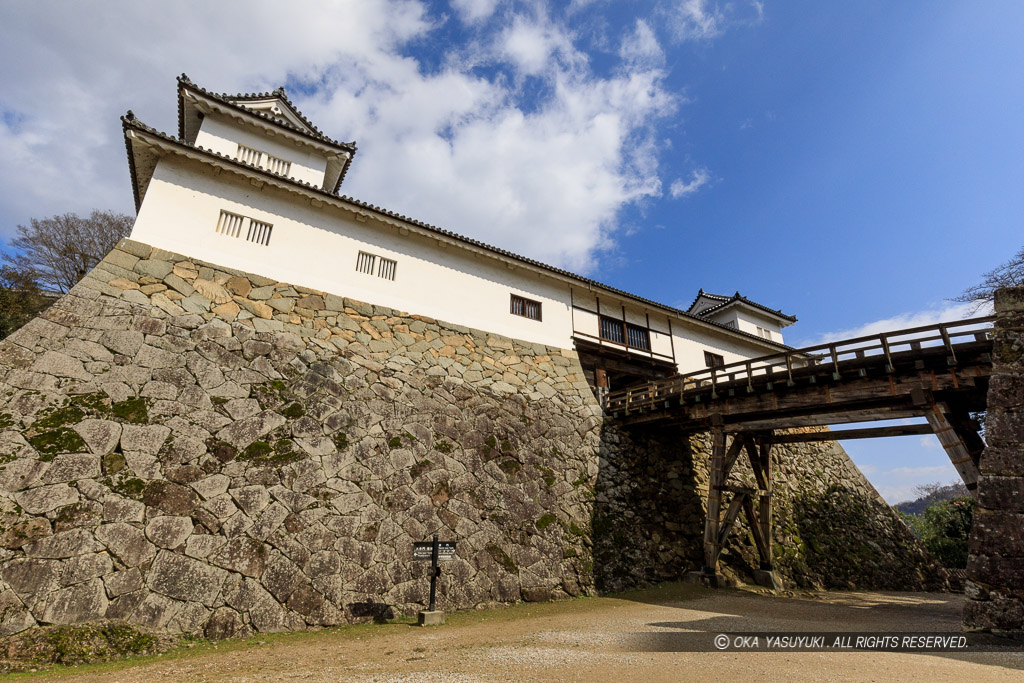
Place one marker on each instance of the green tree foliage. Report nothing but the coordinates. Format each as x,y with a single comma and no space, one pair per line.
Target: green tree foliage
944,528
20,300
57,252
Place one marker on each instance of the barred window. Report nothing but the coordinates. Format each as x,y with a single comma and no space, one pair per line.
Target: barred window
248,155
612,330
365,263
528,308
235,225
713,360
387,269
278,165
638,337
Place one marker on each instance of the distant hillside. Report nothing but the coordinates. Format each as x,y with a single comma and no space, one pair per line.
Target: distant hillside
932,493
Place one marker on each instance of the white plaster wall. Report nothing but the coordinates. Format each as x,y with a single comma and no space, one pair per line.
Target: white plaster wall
223,136
318,247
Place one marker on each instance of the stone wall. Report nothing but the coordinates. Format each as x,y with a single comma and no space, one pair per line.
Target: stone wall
196,449
995,566
831,530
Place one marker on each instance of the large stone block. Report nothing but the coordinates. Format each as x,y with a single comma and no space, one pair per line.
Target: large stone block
127,543
84,602
184,578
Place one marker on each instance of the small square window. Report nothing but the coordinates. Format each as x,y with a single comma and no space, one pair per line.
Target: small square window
528,308
713,360
387,268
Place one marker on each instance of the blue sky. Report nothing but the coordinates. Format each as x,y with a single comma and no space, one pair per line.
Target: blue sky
856,164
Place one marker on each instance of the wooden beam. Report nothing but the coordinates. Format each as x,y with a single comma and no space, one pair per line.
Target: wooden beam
765,504
730,519
844,434
827,418
715,482
956,450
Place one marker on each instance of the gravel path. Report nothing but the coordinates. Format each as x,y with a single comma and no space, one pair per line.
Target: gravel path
602,639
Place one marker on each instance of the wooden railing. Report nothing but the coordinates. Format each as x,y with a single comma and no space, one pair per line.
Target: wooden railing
835,357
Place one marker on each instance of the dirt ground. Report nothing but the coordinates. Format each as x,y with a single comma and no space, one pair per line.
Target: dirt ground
597,639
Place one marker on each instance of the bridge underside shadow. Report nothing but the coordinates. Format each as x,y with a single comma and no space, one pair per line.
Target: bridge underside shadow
939,373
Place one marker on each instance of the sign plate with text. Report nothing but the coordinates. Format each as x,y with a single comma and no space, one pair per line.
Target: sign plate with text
424,550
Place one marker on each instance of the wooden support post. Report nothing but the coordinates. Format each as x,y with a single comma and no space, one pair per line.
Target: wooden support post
955,448
765,504
721,463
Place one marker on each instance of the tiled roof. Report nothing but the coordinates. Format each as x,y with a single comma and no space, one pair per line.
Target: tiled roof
130,121
735,298
279,93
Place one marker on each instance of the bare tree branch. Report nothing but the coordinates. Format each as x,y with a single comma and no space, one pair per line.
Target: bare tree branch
1009,274
57,252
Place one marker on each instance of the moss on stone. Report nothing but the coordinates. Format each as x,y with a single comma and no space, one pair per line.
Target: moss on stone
395,442
6,420
444,447
544,521
58,418
221,450
419,468
575,529
502,558
134,410
293,411
218,400
113,463
130,487
97,402
56,441
509,466
341,441
257,449
548,475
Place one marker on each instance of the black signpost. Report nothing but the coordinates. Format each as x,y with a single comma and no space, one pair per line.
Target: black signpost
434,551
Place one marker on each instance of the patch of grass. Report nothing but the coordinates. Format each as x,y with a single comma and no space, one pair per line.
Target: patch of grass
134,410
395,442
544,521
55,441
444,447
341,441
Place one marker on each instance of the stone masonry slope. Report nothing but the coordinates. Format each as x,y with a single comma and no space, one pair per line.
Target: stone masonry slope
195,449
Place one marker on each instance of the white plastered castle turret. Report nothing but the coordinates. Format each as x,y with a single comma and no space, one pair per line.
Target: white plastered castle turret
250,183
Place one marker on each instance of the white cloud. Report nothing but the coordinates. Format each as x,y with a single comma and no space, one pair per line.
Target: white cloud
641,46
544,174
474,11
948,312
698,179
694,20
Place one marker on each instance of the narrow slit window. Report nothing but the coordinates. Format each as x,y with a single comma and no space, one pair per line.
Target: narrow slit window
259,232
365,263
248,155
278,165
527,308
230,224
252,230
387,268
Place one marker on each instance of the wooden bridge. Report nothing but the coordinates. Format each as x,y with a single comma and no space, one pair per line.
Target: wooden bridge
938,372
